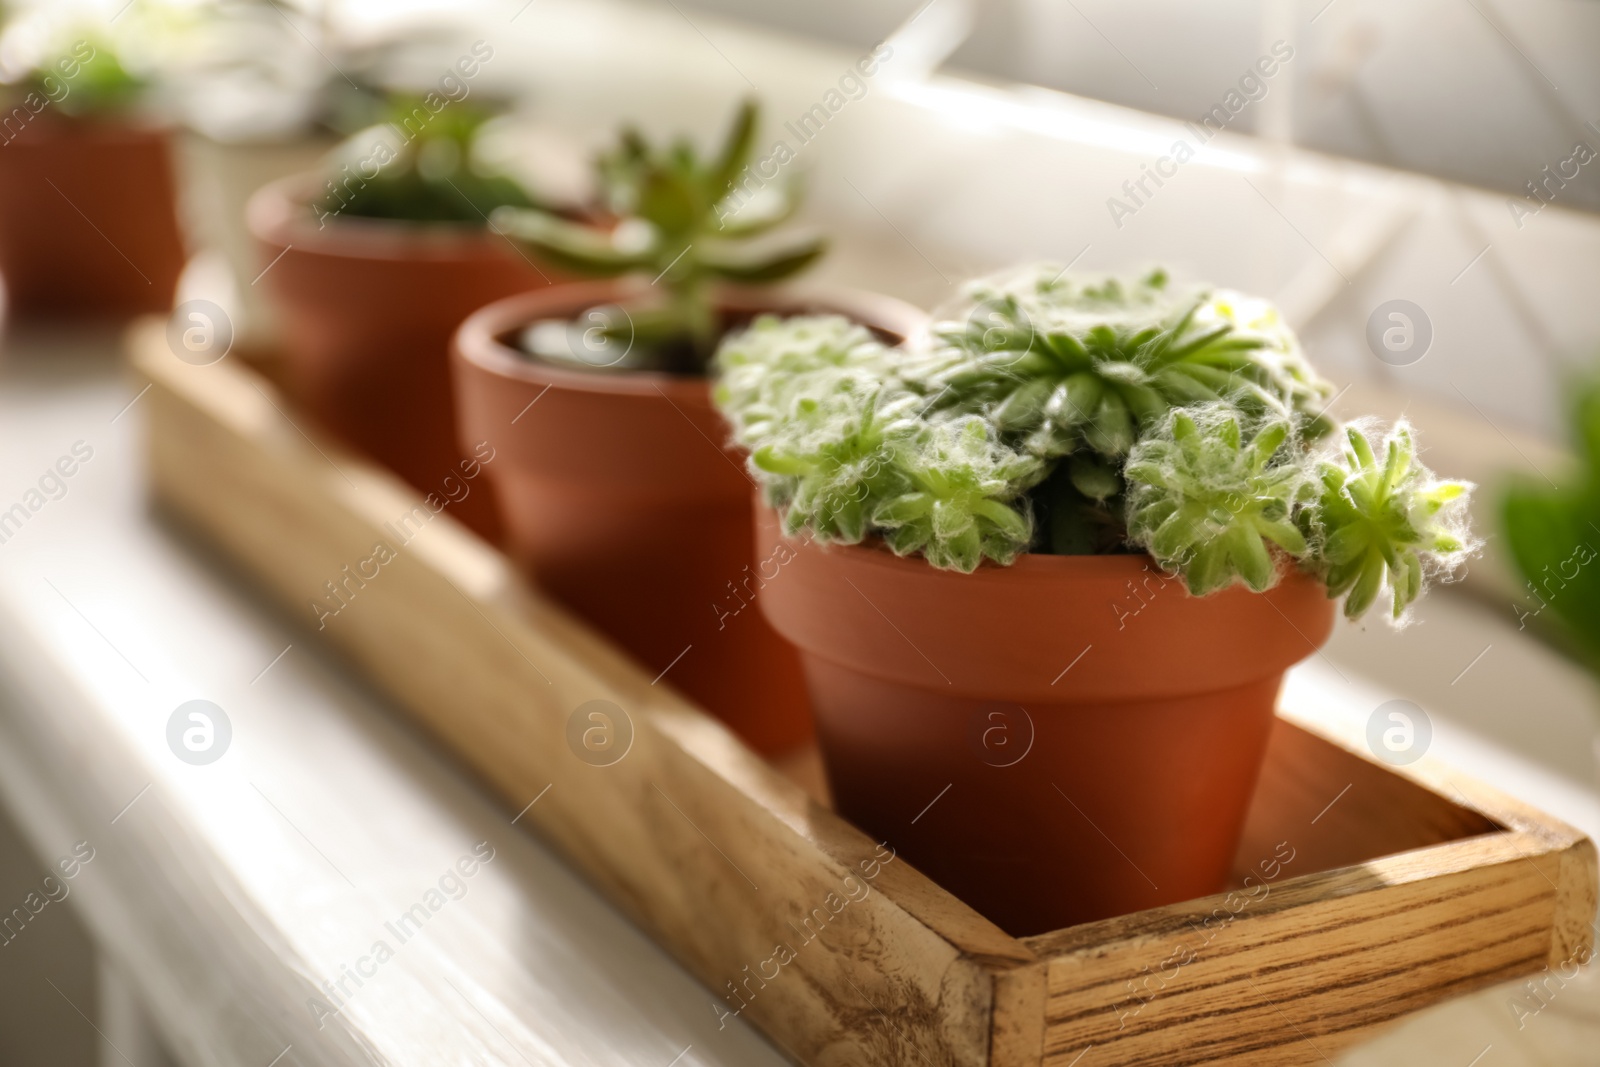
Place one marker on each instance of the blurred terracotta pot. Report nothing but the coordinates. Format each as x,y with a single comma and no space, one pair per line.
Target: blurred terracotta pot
367,308
88,219
622,498
1063,740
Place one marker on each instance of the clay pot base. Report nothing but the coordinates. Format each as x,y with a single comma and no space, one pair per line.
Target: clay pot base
1109,809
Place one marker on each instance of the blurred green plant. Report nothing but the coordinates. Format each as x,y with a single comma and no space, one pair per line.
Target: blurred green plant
1196,439
420,167
668,214
1553,534
103,86
80,77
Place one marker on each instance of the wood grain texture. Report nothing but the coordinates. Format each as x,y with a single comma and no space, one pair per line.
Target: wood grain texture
701,843
1364,891
1310,965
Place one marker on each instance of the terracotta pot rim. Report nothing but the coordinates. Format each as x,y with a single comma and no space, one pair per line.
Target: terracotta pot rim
478,340
279,214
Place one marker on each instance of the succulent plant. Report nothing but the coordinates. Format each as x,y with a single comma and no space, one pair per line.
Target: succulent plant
668,214
1386,522
424,165
836,455
765,369
1067,362
962,505
1210,498
1202,449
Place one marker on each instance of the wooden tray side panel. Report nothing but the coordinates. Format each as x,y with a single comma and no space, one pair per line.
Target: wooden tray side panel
1315,963
681,832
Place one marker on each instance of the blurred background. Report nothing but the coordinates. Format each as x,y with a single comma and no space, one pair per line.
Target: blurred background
1428,168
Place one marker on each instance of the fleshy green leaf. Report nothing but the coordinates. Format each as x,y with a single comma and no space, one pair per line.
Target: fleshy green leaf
1117,355
700,219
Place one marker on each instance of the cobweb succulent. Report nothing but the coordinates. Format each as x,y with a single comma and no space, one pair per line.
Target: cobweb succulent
835,457
961,506
822,440
1209,497
765,369
1065,362
1063,414
1387,522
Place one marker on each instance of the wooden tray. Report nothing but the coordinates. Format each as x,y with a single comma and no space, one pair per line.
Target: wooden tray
1377,890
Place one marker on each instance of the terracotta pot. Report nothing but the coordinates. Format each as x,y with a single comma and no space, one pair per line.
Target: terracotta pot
88,220
1063,740
367,308
621,498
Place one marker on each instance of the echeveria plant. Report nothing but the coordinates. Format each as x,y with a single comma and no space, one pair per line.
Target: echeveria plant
1062,414
682,221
